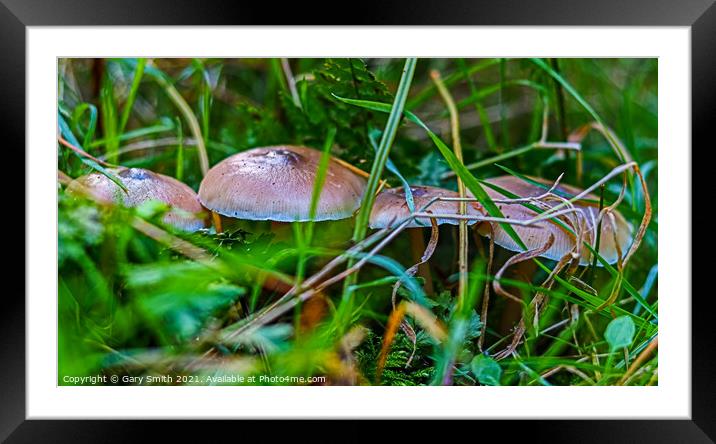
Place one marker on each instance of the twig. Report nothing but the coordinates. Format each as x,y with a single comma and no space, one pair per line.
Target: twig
476,218
358,171
617,170
645,219
291,80
537,305
517,258
427,254
486,292
394,321
617,146
82,152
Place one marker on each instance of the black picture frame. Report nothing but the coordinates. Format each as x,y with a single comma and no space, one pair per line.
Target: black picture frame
16,15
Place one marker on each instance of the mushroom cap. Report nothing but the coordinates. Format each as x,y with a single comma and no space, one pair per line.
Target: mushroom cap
143,185
390,207
276,183
536,236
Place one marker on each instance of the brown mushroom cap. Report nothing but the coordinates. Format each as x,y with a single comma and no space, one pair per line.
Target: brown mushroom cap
391,208
536,236
276,183
144,185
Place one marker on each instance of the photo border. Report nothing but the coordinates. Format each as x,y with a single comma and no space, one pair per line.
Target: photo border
16,15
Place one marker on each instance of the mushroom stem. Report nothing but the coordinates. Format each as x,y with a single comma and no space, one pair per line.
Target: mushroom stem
217,221
282,231
312,312
417,248
523,271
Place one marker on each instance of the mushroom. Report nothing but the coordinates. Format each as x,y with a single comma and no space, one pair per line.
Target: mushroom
276,183
615,230
142,185
390,209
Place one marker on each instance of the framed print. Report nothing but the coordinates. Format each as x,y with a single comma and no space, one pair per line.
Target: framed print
358,222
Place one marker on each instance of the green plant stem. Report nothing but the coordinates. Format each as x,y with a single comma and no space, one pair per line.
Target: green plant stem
517,152
109,119
381,157
599,236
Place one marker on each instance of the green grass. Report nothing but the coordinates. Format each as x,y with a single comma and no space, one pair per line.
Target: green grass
134,302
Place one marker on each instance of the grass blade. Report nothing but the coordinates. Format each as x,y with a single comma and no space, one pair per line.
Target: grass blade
91,125
393,169
127,110
386,142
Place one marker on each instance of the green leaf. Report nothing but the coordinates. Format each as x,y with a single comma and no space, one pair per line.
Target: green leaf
473,327
91,125
270,338
620,332
177,299
486,370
